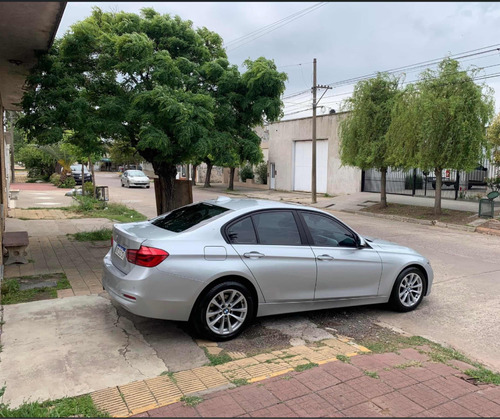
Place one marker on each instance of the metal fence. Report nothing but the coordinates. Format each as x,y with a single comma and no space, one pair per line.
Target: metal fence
415,182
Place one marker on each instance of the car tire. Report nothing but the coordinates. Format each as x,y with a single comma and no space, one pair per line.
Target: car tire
408,290
147,187
212,301
122,185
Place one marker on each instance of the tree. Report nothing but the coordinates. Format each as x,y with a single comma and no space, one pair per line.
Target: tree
493,135
439,123
363,130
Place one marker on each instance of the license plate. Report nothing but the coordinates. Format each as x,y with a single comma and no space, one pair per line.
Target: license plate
120,251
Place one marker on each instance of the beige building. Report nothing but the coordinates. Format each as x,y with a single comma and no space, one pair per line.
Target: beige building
25,28
290,156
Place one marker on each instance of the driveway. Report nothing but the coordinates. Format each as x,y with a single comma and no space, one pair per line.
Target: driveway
463,309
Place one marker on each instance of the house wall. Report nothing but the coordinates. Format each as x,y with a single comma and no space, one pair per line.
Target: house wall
282,136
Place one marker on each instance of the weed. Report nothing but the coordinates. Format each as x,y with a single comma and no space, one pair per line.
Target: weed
91,236
238,382
12,294
221,358
372,374
344,358
171,375
286,377
484,375
191,400
287,356
31,261
408,365
303,367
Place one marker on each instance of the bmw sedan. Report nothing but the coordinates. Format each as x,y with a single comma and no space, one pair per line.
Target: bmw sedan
220,263
134,178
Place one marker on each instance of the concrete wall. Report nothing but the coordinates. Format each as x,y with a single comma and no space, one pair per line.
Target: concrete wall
282,136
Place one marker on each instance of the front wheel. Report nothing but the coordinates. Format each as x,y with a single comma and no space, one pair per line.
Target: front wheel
224,311
408,290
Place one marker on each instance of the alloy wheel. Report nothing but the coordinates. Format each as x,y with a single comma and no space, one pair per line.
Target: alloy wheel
410,289
226,312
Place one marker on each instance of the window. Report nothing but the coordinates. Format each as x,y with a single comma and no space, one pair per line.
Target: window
327,232
277,228
186,217
242,232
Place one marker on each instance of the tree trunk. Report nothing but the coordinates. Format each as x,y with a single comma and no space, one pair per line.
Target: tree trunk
91,165
232,170
209,173
166,180
194,174
383,192
437,196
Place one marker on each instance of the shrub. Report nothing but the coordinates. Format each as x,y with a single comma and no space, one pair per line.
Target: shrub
69,182
262,173
419,182
88,189
246,173
55,179
87,203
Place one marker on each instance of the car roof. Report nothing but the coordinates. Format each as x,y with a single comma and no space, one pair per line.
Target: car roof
248,204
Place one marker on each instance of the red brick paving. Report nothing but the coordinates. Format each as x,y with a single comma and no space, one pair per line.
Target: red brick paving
338,389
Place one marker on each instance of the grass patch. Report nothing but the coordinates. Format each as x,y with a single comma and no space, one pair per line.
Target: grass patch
191,400
484,375
93,236
408,364
343,358
423,213
221,358
12,293
238,382
304,367
92,208
81,406
372,374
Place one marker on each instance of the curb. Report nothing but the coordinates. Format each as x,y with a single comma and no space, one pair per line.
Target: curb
140,396
415,221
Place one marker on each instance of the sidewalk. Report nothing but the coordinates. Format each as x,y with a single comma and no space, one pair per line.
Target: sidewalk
389,384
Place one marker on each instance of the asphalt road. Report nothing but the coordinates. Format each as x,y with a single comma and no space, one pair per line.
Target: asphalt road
464,308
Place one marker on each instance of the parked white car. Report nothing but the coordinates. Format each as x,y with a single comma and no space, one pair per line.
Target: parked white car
134,178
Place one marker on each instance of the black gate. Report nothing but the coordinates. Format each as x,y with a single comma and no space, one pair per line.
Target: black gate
456,184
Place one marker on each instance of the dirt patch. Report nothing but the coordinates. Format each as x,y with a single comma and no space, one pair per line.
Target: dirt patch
424,213
493,224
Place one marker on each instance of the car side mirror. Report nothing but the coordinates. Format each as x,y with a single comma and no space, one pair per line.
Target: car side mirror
360,241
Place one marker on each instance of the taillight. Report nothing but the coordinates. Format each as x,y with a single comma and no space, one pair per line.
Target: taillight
146,256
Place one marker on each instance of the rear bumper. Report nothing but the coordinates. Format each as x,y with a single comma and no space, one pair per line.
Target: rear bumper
155,294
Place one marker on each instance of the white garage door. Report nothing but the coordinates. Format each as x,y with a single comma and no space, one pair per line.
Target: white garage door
303,165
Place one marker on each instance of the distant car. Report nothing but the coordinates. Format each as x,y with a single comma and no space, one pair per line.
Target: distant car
134,178
76,173
220,263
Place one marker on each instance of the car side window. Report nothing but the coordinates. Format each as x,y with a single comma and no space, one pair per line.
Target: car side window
277,228
242,232
327,232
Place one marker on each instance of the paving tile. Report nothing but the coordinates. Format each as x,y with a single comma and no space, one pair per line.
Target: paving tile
424,396
224,406
369,362
448,409
174,410
342,370
310,405
390,359
420,374
164,390
395,404
439,368
111,401
253,397
370,387
317,379
451,387
210,377
462,366
479,405
278,410
188,382
366,409
492,393
138,396
342,396
286,389
396,379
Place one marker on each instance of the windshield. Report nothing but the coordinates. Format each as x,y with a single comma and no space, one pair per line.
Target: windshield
136,173
78,168
186,217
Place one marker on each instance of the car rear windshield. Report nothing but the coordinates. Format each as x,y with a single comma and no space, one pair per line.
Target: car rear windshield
186,217
136,173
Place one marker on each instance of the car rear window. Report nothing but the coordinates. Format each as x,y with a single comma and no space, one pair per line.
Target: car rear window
136,173
183,218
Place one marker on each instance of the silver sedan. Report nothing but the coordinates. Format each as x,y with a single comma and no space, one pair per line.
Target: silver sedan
220,263
134,178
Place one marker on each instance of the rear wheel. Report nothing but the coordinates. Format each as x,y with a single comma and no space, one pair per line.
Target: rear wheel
224,311
408,290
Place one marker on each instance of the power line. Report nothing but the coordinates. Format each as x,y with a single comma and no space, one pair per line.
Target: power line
243,40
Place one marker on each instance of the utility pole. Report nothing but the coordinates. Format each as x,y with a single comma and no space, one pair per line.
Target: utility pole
315,104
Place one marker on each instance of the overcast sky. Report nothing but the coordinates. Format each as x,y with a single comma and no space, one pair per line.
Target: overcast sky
347,39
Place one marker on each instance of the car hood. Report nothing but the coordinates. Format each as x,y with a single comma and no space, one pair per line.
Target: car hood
387,246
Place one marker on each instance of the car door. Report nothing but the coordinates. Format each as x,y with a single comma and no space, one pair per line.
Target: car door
344,269
271,245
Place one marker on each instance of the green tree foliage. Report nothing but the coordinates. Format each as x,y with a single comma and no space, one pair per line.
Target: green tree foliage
363,130
152,81
439,123
38,163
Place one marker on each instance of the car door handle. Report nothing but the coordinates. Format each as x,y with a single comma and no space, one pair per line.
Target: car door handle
324,257
253,255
